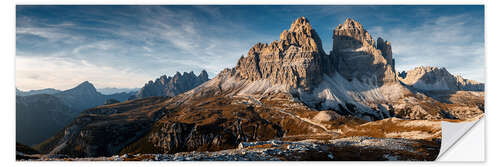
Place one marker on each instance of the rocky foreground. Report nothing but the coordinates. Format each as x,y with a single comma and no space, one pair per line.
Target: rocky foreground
352,148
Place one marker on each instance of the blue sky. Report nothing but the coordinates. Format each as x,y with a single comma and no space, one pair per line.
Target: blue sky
125,46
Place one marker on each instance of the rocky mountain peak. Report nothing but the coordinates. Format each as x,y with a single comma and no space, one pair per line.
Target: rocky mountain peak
359,58
351,24
354,31
300,24
435,78
301,34
426,72
171,86
294,60
85,84
177,74
386,49
203,75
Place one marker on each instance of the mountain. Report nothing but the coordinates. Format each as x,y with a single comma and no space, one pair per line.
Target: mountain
288,90
359,58
171,86
109,91
355,75
34,92
296,60
40,116
433,78
82,96
85,96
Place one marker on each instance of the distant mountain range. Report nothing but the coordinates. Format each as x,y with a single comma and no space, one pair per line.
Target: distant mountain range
40,116
104,91
34,92
40,113
172,86
109,91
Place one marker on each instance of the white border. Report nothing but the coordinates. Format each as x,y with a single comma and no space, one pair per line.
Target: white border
472,141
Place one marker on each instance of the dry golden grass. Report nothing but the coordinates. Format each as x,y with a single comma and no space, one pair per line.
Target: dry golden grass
395,128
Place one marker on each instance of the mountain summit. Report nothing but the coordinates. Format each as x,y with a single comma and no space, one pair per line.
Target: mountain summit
295,60
359,57
83,88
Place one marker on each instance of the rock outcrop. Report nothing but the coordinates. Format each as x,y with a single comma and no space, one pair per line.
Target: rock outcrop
171,86
434,78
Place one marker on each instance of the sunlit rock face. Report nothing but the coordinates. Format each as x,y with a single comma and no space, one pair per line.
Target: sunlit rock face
297,59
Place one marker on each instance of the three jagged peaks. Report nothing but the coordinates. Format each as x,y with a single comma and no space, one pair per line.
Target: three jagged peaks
298,59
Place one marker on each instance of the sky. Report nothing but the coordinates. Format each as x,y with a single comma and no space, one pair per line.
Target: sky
126,46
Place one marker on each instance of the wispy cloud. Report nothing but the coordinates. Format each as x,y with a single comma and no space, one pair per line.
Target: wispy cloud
100,46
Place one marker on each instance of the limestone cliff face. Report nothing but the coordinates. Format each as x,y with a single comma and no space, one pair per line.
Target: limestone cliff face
297,59
357,56
434,78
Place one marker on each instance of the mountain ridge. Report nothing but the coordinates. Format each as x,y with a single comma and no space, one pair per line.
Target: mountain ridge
38,91
113,90
435,78
41,115
172,85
